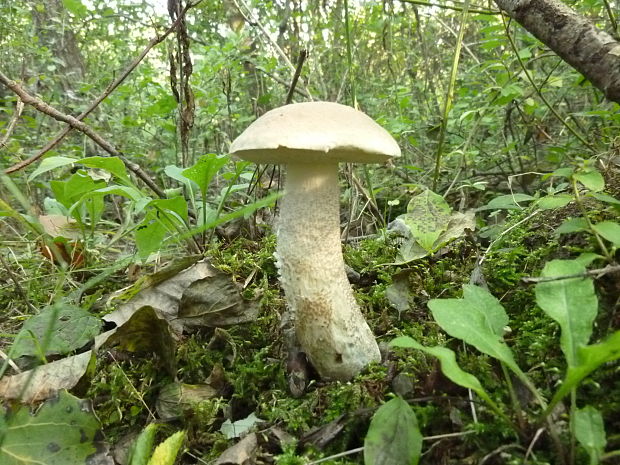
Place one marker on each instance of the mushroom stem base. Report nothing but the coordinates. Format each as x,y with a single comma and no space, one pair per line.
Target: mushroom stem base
328,322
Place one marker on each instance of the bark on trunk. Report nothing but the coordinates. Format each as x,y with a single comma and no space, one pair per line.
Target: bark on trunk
592,52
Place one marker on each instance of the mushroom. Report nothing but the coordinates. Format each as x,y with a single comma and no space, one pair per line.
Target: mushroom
311,139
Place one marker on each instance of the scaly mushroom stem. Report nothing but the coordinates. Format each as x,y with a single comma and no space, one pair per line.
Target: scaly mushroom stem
329,324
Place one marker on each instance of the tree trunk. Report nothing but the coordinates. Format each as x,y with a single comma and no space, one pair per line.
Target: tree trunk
592,52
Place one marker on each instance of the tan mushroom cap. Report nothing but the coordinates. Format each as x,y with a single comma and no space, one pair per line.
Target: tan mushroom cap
315,132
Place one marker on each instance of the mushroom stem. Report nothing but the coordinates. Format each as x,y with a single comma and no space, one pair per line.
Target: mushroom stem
329,324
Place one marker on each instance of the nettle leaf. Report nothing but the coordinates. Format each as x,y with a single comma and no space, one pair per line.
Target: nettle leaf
428,215
61,432
590,432
393,436
592,180
205,169
572,303
478,319
59,329
609,230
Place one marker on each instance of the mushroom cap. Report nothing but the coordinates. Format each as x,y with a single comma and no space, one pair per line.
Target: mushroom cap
315,132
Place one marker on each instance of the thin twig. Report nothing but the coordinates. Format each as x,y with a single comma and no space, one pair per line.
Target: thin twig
19,107
80,126
113,85
300,64
586,274
360,449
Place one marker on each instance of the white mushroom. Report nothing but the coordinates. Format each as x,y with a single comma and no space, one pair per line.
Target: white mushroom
311,139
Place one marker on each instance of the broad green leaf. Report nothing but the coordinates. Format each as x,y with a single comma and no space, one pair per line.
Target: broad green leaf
58,329
572,225
589,359
428,215
476,320
609,230
510,201
176,173
592,180
51,163
205,169
61,432
570,302
71,191
554,201
393,436
603,197
563,172
113,165
150,235
590,432
488,306
176,205
166,453
143,446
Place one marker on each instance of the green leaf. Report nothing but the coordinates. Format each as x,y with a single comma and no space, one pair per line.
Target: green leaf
58,329
609,230
71,191
603,197
61,432
166,453
510,201
51,163
112,165
75,7
589,358
572,225
590,432
393,436
205,169
478,319
551,202
447,358
570,302
592,180
428,215
124,191
142,447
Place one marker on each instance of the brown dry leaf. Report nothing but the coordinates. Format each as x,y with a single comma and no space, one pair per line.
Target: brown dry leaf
60,226
214,302
242,453
145,332
45,381
164,294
